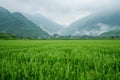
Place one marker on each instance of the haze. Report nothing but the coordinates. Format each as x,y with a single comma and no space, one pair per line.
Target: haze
63,12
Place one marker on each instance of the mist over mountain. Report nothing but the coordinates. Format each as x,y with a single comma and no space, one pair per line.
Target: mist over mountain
102,23
45,23
16,23
95,24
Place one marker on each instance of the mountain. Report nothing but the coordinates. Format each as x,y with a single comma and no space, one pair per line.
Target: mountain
45,23
17,24
111,33
95,24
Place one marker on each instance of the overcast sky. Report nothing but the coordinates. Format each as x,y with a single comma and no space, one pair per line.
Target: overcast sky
61,11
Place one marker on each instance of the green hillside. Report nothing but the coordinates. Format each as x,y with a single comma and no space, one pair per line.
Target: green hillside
111,33
16,23
7,36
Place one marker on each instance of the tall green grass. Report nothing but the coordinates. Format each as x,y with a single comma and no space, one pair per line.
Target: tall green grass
59,59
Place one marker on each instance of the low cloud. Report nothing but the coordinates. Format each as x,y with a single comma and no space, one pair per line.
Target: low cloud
101,28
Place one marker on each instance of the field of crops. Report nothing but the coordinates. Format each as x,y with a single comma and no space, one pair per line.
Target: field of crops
59,59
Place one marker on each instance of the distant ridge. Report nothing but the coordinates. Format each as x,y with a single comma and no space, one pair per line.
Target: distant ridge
45,23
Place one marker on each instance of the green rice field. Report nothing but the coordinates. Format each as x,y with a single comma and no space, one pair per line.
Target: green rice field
59,59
